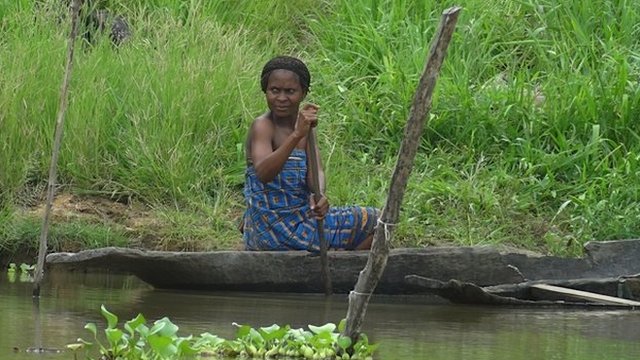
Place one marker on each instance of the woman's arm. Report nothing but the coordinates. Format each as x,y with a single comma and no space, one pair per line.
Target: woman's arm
268,162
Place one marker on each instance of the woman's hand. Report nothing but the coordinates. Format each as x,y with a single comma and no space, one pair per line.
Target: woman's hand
307,119
320,209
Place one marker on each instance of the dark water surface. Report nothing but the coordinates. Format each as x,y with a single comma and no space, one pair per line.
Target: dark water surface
405,327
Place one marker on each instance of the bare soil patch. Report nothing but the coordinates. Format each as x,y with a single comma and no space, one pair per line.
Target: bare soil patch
68,207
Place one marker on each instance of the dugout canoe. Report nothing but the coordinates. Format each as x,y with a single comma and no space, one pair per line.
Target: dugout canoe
299,271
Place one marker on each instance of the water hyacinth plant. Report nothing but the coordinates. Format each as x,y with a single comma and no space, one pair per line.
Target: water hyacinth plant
160,340
24,272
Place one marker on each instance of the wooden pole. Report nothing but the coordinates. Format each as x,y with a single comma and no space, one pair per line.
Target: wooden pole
370,275
586,295
314,165
39,274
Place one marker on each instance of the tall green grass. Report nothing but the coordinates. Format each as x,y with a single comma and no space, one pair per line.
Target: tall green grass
532,140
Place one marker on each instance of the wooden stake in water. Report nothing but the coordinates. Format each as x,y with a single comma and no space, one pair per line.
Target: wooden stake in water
314,165
39,274
369,276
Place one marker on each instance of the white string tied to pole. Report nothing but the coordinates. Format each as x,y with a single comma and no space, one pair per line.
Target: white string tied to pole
385,226
353,292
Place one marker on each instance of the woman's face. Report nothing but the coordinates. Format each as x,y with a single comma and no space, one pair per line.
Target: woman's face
284,93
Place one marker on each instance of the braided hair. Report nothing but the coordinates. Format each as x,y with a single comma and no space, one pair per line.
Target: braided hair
286,63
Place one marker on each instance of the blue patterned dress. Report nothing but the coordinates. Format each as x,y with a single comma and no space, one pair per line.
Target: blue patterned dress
278,215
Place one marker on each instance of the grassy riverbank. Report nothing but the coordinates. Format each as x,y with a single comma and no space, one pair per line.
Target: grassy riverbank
531,142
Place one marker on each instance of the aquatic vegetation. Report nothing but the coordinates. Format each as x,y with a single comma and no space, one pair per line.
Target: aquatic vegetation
24,272
160,340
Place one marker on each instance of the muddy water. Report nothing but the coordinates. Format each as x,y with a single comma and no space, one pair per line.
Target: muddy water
406,327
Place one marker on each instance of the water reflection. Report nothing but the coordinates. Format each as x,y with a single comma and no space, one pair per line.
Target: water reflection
406,327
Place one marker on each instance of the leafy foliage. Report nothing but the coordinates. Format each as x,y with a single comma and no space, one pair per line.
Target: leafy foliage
23,273
138,341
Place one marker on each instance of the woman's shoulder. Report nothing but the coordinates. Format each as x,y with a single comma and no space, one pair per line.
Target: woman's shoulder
262,123
263,118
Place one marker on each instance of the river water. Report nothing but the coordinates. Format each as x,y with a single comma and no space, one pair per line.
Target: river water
405,327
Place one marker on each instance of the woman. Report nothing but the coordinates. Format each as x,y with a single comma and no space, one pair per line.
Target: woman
281,211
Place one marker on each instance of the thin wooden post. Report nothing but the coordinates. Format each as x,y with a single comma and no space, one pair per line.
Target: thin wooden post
315,169
51,189
370,275
586,295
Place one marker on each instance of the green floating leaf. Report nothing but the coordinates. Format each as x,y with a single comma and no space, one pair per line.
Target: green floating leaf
162,345
270,329
327,328
243,330
300,335
185,348
344,342
342,326
169,329
363,348
133,324
156,328
112,319
143,330
85,342
273,332
114,336
209,340
255,337
75,346
92,328
26,267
